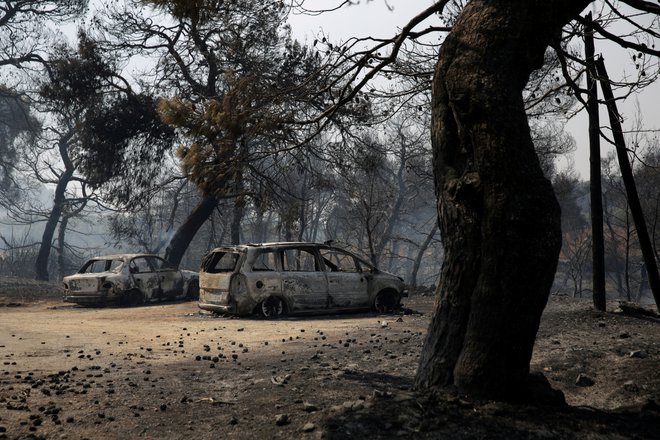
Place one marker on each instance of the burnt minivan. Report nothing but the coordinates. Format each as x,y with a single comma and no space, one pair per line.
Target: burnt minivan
275,279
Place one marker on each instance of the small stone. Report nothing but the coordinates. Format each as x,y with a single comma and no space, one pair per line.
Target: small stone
584,381
630,386
281,419
309,427
310,407
641,354
357,405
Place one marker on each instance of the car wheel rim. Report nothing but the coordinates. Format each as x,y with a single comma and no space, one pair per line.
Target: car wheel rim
272,307
383,303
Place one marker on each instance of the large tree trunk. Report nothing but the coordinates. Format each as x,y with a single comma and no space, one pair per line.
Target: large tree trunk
184,235
498,215
41,263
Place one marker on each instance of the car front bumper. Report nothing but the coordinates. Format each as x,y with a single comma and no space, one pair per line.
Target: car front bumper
87,298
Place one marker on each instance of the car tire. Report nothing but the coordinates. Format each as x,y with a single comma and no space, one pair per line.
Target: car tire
132,298
192,293
385,302
272,307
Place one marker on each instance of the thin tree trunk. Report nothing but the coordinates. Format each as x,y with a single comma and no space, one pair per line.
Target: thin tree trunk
41,263
499,217
186,232
237,218
420,255
61,233
595,186
629,183
626,272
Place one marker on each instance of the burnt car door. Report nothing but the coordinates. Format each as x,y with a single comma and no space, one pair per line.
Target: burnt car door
145,277
347,285
303,282
170,279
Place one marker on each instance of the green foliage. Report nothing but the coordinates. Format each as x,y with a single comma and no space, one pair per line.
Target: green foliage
15,119
119,140
77,78
126,140
193,10
244,112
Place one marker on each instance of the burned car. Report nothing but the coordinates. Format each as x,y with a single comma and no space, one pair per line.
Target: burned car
129,279
274,279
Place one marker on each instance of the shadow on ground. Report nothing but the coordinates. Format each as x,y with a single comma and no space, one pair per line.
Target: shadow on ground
448,416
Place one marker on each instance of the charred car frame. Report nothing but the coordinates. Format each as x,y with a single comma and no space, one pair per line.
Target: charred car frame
274,279
129,279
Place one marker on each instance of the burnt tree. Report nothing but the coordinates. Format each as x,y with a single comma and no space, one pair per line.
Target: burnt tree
499,217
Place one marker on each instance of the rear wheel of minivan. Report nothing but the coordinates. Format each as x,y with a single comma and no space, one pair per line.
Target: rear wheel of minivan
272,307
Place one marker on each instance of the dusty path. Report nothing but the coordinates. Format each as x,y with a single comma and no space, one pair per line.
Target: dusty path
166,371
169,372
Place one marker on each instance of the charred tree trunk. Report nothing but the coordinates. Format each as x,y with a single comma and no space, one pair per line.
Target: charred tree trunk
41,263
420,255
595,186
237,219
61,258
184,235
631,189
499,217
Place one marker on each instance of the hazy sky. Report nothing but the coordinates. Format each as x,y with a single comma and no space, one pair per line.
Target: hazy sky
380,18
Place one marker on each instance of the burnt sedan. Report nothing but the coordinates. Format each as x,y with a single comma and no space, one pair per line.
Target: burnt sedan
274,279
129,279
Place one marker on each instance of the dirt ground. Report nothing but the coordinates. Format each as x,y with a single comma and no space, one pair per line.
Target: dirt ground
172,372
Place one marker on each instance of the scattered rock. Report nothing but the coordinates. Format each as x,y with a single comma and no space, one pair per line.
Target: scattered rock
584,381
641,354
309,427
282,419
630,386
310,407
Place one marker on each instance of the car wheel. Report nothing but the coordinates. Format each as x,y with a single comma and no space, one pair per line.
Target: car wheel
272,307
132,298
385,302
193,292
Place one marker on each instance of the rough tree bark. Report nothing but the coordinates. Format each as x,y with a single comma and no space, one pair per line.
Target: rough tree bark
595,184
420,255
498,214
41,263
628,179
186,232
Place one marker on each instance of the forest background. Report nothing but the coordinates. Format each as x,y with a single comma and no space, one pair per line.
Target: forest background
133,130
